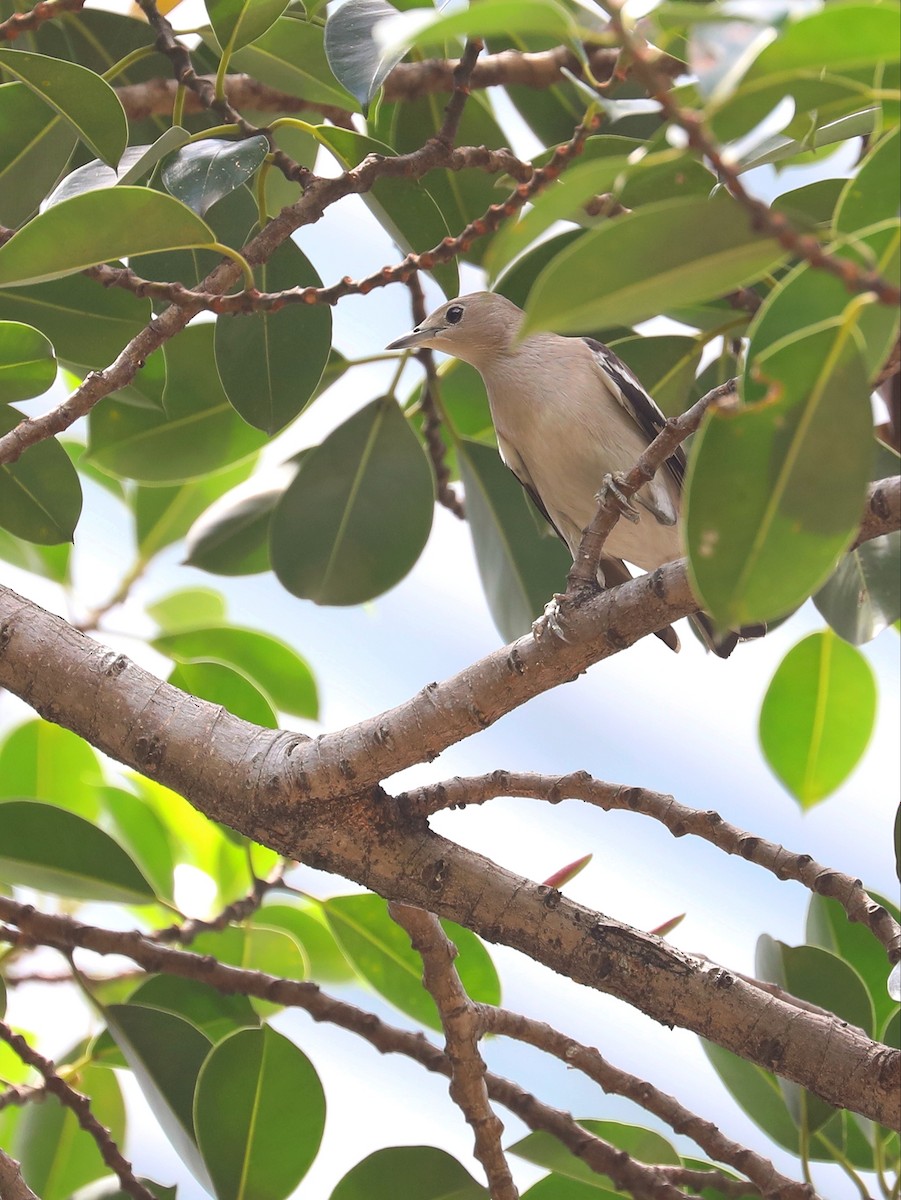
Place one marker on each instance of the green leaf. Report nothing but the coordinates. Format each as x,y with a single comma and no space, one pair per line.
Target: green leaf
202,173
354,55
165,1053
403,208
87,324
306,924
94,227
222,684
817,716
237,23
47,762
520,570
757,1093
50,562
290,56
427,1174
552,114
666,365
213,1012
426,27
165,514
358,514
772,496
45,847
27,362
271,363
870,196
135,163
188,608
109,1189
645,1145
139,830
256,948
35,146
246,1086
812,204
694,249
40,493
235,541
199,432
56,1155
558,1187
273,666
83,99
863,595
381,952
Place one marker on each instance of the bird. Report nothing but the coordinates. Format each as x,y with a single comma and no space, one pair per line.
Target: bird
570,418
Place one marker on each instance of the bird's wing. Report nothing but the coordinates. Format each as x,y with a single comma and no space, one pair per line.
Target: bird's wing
521,471
643,410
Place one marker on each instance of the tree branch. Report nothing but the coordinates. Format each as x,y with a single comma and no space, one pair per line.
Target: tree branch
23,22
12,1185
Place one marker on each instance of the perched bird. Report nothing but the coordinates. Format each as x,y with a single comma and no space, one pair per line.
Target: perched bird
569,416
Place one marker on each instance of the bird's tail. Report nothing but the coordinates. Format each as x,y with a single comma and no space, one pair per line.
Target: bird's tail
722,643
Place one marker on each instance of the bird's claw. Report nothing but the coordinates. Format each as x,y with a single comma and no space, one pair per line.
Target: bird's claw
551,620
611,487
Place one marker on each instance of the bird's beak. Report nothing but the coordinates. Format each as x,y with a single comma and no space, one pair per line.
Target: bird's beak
413,338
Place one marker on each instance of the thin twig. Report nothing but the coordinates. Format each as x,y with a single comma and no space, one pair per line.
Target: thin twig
12,1185
237,911
24,22
453,112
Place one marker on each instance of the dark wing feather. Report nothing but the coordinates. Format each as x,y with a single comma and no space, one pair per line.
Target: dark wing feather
635,400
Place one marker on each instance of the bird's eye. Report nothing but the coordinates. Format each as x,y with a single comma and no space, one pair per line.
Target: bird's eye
454,315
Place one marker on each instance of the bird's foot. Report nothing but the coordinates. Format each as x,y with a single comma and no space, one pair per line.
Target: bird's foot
551,620
612,487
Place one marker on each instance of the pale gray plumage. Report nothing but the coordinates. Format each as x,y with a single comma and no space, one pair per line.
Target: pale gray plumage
567,412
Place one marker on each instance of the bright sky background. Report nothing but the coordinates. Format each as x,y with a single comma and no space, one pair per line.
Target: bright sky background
680,723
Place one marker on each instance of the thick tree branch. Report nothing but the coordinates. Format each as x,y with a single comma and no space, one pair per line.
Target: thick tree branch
12,1185
679,819
23,22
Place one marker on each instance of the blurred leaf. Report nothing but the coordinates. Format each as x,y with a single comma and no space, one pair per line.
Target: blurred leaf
870,196
165,514
50,562
271,363
558,1187
138,829
552,113
812,204
45,847
109,1189
198,433
35,145
304,921
47,762
863,595
354,55
40,493
817,716
828,926
545,1150
516,283
519,569
757,1093
236,540
188,608
381,952
135,163
247,1084
27,362
256,948
223,684
425,27
202,173
693,248
772,496
358,514
428,1174
290,56
270,663
237,23
94,227
83,99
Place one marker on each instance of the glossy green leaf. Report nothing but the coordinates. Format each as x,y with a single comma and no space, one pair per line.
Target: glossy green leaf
45,847
356,518
50,562
757,1093
666,365
165,1053
645,1145
165,514
256,948
686,250
427,1173
27,362
517,282
381,952
558,1187
812,204
222,684
772,496
188,608
198,433
863,594
290,56
304,921
214,1013
425,27
817,716
94,227
138,829
404,209
274,667
520,570
235,541
47,762
237,23
355,57
83,99
245,1088
202,173
40,494
871,195
35,145
271,363
134,164
56,1155
87,324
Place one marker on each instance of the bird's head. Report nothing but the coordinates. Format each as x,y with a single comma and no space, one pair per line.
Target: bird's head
474,328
